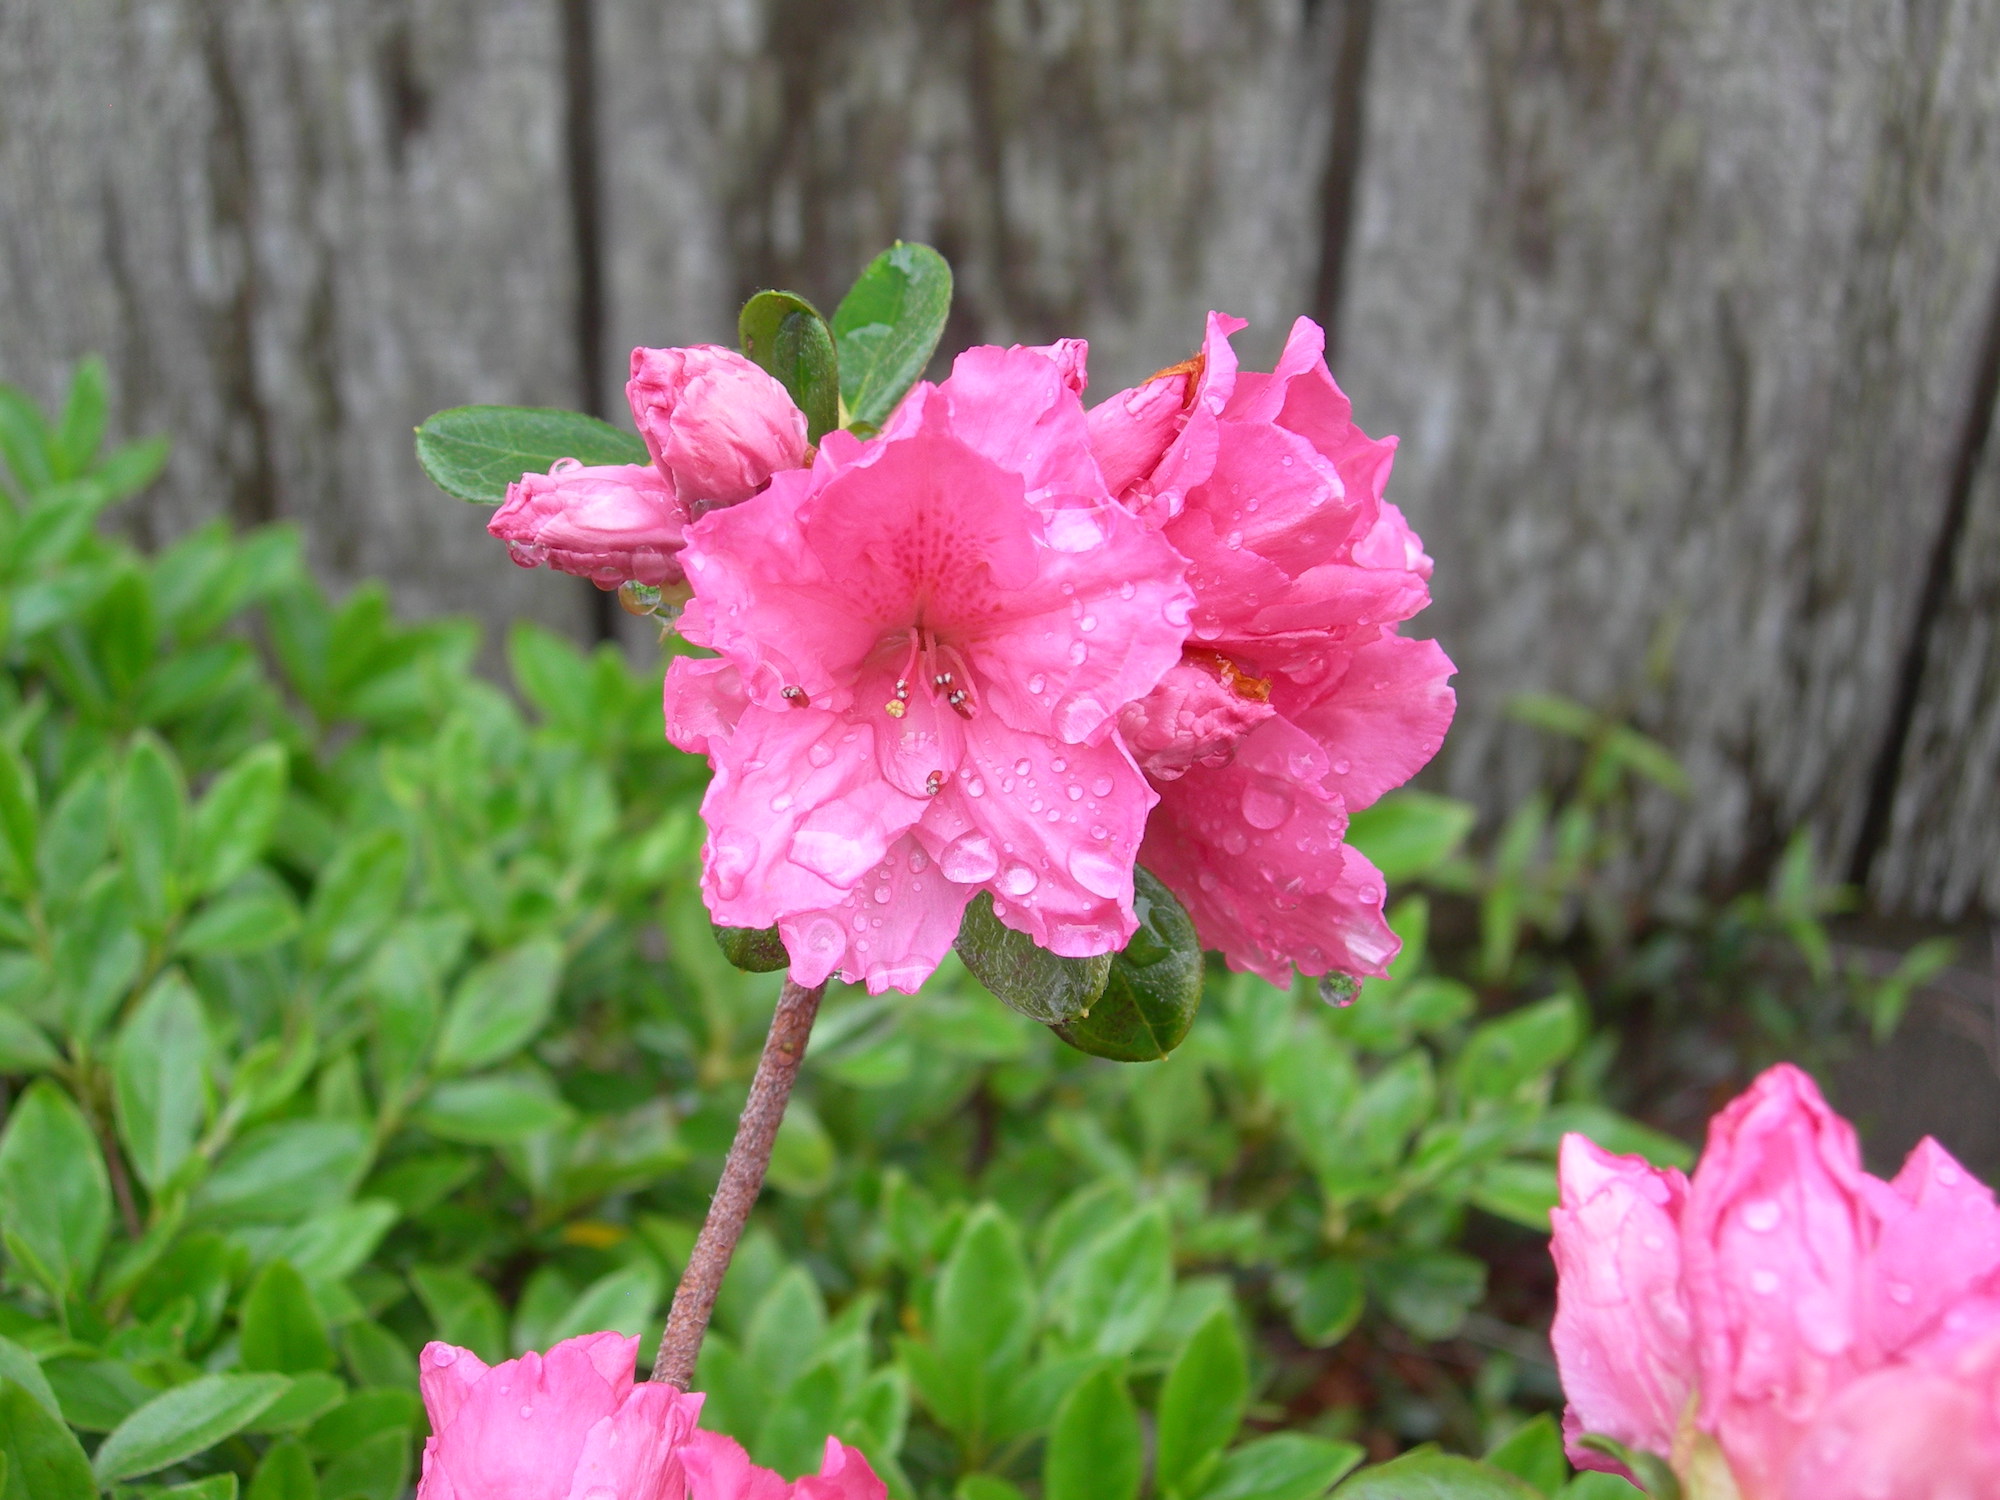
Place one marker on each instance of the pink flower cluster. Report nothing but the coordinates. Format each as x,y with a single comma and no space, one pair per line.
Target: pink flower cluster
1010,645
573,1424
1784,1326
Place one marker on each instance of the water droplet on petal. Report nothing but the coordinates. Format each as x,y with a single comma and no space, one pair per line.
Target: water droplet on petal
1338,989
1763,1283
1075,792
1235,841
1037,683
1019,880
1265,806
975,788
919,861
1101,787
443,1355
1087,623
527,1411
1342,767
818,754
1022,767
780,802
1901,1293
969,860
881,895
1099,873
1078,653
1762,1215
1127,589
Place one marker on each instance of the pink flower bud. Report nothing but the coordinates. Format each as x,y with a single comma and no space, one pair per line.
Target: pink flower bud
717,426
719,1469
1193,717
557,1426
607,524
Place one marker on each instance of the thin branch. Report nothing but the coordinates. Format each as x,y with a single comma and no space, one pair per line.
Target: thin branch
742,1180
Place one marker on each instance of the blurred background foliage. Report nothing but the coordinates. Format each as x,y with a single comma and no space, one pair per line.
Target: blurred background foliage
350,1000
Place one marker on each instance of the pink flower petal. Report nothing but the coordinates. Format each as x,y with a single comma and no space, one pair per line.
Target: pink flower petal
890,931
635,1453
844,1474
718,1469
1385,720
718,427
607,524
519,1428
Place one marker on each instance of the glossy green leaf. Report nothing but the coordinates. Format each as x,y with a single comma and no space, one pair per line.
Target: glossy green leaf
247,923
1430,1292
215,1487
887,327
491,1110
20,816
1202,1403
282,1329
1153,988
41,1458
24,1046
283,1172
474,452
1284,1466
1030,979
623,1301
982,1318
784,335
755,950
1426,1474
233,821
376,1468
159,1071
1655,1477
286,1473
184,1421
499,1006
1522,1191
1409,834
1095,1449
55,1199
1516,1049
77,437
359,892
803,1157
1327,1302
1534,1452
152,823
1121,1285
313,1393
21,1367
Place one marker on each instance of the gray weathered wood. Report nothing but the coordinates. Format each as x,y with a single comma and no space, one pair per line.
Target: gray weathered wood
1677,308
295,229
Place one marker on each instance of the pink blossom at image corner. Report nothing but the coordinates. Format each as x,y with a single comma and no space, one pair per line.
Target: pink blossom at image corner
719,1469
568,1424
1296,702
923,643
1821,1327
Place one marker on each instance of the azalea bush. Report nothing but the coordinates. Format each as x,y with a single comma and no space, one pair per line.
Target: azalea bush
373,1036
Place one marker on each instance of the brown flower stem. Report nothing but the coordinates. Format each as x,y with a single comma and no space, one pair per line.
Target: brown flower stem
742,1180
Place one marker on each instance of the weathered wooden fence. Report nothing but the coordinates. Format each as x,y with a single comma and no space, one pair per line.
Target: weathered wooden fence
1688,312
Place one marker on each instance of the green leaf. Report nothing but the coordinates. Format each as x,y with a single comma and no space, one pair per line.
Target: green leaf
888,326
1426,1474
784,1332
1409,834
377,1468
159,1072
41,1458
474,452
21,1367
360,1417
77,437
784,335
500,1006
215,1487
282,1329
1030,979
249,923
1327,1303
491,1110
1505,1054
24,1047
285,1474
755,950
1202,1403
1520,1191
359,892
1534,1452
1285,1466
283,1172
1153,989
180,1423
378,1360
20,817
311,1396
152,822
233,822
552,675
803,1157
1430,1292
55,1199
1121,1285
97,954
623,1301
463,1311
1095,1451
78,836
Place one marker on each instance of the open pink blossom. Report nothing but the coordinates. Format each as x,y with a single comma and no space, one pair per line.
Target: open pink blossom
1815,1293
924,641
567,1425
717,428
719,1469
1312,704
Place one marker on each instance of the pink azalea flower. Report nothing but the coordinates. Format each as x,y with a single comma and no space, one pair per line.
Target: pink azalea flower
719,1469
1296,702
717,427
1811,1319
567,1425
924,641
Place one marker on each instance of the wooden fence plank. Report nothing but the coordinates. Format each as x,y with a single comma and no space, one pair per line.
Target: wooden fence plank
295,229
1676,308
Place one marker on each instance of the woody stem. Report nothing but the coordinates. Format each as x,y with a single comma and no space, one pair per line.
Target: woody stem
742,1179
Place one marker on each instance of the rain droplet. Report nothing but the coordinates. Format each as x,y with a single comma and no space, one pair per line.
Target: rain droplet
1022,767
1342,767
780,802
1233,541
1762,1215
1235,841
1087,623
1077,653
527,1411
1019,880
1265,807
969,860
1097,873
1075,792
1763,1283
1101,787
881,895
1037,683
444,1355
1338,989
919,861
818,754
975,788
1901,1293
1127,589
1099,832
